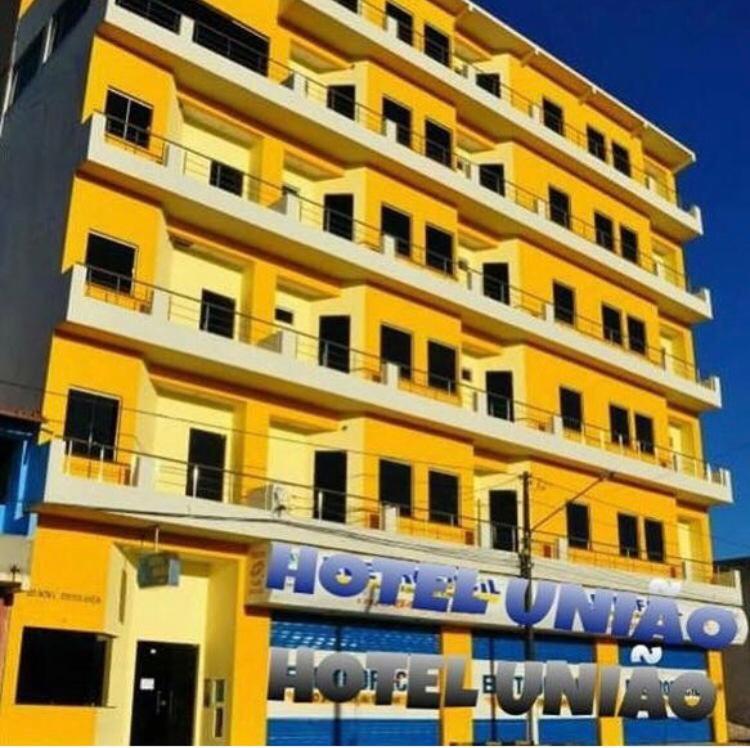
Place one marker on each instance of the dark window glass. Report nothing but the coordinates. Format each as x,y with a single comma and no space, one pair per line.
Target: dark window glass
342,99
629,244
398,225
564,303
128,119
605,232
27,66
404,21
654,532
627,526
333,342
338,217
226,178
439,253
441,365
504,520
330,483
110,263
437,45
637,335
160,14
395,485
64,668
490,82
352,5
621,158
9,452
571,409
496,281
438,143
393,112
91,424
612,324
65,20
578,525
500,395
205,473
597,144
217,314
553,116
619,425
395,348
559,207
644,433
492,176
285,316
227,38
443,488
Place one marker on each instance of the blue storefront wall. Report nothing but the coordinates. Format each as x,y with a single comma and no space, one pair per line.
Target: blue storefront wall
324,724
492,727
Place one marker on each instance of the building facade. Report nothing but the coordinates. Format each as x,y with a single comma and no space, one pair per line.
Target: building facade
348,274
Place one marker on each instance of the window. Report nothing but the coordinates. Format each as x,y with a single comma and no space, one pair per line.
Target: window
644,433
441,366
395,485
571,409
334,335
395,348
597,143
605,232
128,119
654,532
553,116
9,452
232,40
217,314
26,67
110,263
91,424
438,143
443,489
65,668
564,303
352,5
627,527
578,525
490,82
342,99
629,244
621,158
338,216
205,470
404,22
612,324
496,281
396,224
226,178
439,250
559,207
492,176
637,335
500,399
161,15
401,117
285,316
437,45
619,425
65,20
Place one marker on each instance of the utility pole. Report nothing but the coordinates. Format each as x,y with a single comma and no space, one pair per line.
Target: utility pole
526,573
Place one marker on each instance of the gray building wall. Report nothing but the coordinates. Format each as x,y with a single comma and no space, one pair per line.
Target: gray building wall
8,19
737,658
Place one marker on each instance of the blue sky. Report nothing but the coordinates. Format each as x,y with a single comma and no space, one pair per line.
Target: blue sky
685,65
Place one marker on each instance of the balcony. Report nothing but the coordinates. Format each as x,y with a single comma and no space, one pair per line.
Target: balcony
143,488
278,93
260,212
362,30
174,330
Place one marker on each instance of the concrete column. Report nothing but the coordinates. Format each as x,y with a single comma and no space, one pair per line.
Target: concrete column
145,472
391,375
548,312
390,130
288,343
175,158
388,245
389,518
292,206
485,535
558,427
480,402
160,303
187,28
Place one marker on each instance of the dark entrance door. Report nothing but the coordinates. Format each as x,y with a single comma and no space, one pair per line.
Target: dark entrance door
500,394
330,486
504,519
164,694
333,342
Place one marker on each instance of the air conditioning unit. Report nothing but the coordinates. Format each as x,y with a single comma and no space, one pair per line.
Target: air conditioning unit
278,498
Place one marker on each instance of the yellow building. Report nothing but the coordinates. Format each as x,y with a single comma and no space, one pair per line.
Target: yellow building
343,274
